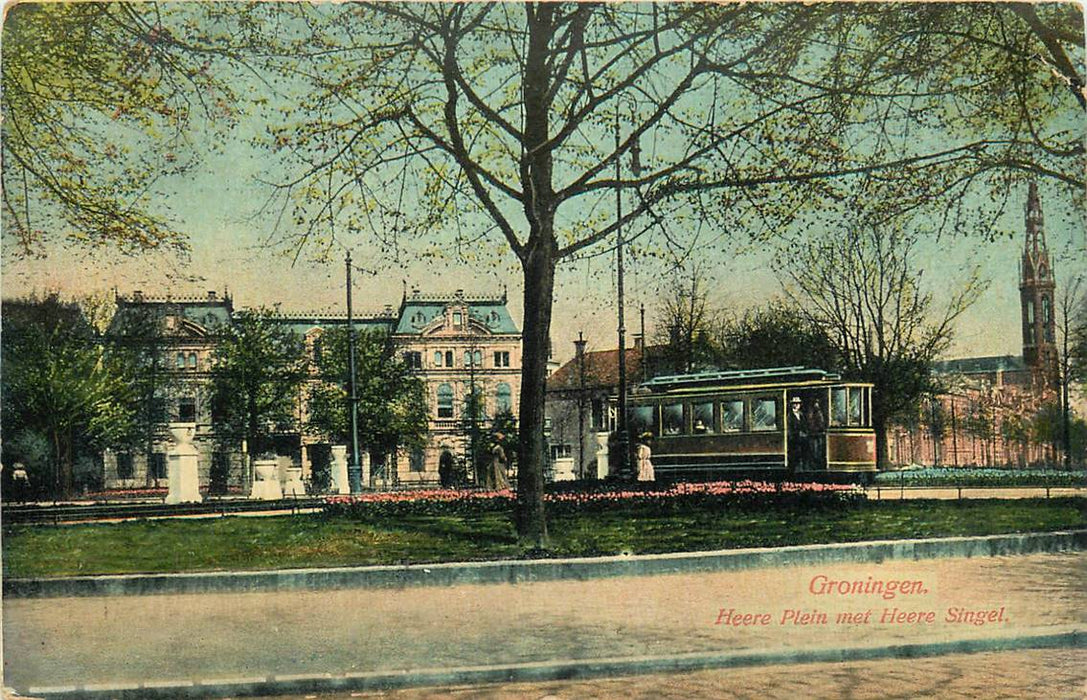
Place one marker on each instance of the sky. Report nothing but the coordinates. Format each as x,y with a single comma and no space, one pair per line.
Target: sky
218,206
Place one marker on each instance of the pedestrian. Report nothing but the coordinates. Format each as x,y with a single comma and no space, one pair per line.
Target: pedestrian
499,481
643,455
797,438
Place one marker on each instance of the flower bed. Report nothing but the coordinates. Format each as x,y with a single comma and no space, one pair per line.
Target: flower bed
603,496
980,477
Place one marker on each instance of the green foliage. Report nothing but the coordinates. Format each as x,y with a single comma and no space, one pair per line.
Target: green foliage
99,100
60,387
392,406
776,335
257,371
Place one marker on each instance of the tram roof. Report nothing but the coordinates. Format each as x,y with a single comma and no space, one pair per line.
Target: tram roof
744,376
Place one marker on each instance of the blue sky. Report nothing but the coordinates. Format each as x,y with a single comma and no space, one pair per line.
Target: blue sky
219,208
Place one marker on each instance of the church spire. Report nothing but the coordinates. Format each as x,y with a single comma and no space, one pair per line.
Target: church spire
1036,286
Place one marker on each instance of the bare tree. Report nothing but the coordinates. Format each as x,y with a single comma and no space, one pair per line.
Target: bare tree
468,129
863,286
1071,322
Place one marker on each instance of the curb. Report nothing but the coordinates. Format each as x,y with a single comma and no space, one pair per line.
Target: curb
546,671
526,571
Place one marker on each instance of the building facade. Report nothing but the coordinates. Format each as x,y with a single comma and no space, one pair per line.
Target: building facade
989,406
459,345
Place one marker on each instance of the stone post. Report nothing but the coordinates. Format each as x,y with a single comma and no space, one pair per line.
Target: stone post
266,480
602,469
364,461
294,486
340,483
183,476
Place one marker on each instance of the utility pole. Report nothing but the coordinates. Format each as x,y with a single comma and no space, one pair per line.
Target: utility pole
354,467
622,438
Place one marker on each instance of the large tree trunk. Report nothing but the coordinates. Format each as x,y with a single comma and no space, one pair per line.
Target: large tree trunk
539,271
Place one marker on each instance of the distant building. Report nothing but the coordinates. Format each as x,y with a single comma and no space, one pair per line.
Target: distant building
983,417
457,344
581,399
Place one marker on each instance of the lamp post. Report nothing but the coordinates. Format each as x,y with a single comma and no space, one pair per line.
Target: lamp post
354,467
622,434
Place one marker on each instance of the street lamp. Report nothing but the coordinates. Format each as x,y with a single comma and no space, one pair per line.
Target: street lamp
622,434
354,467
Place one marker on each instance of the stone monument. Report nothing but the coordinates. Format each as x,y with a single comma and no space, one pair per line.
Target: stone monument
340,483
181,467
266,480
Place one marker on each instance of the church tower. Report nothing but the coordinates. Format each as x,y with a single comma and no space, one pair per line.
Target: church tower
1036,286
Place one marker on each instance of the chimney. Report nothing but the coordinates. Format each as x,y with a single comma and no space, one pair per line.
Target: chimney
137,295
579,345
212,296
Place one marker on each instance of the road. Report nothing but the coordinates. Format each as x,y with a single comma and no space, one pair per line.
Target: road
59,642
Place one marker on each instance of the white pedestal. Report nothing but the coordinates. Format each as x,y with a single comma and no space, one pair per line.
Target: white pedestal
340,483
364,464
182,461
294,486
602,468
266,481
563,469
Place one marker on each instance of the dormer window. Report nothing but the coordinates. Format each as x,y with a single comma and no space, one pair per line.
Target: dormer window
457,321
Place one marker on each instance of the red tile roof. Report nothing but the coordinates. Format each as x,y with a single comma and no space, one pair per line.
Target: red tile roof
601,370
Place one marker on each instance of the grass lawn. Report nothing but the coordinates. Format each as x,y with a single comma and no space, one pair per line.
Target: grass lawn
293,541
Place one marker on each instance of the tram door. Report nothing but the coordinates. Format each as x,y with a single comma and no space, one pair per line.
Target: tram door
807,430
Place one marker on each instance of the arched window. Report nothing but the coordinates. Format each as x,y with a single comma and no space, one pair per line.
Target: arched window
192,360
445,401
180,360
1046,313
437,358
503,398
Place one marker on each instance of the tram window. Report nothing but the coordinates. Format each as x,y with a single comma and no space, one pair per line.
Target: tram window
855,406
643,419
732,416
673,418
702,418
838,406
764,414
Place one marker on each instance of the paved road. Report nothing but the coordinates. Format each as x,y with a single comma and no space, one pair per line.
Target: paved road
1051,674
203,637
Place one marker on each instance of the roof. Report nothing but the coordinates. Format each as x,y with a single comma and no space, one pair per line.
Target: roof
303,323
135,312
418,311
742,376
980,365
601,370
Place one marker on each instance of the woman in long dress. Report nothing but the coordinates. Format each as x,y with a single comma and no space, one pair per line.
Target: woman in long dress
643,455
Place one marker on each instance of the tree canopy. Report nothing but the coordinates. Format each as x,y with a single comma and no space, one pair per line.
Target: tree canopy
257,371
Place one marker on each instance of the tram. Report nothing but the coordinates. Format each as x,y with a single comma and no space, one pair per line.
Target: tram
790,422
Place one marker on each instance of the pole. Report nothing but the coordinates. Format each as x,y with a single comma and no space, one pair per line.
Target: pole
354,467
622,438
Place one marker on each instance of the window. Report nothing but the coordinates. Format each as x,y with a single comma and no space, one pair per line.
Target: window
732,416
702,418
643,419
856,406
1046,313
317,350
672,415
503,398
448,358
413,359
477,357
159,413
501,358
838,406
764,414
186,409
180,362
157,465
600,416
445,401
125,469
456,319
437,358
417,461
563,451
192,360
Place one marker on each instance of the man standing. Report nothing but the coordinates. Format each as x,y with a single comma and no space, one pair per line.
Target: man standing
797,438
